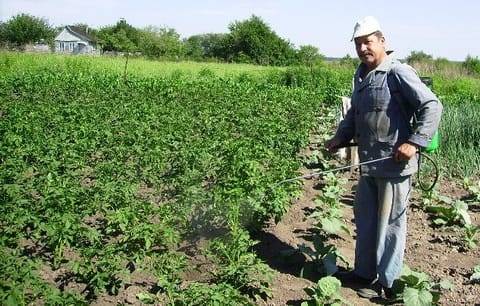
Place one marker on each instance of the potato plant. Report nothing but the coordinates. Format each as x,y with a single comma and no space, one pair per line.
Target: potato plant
102,174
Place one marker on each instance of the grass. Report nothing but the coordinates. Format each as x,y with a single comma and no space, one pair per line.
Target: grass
137,66
460,142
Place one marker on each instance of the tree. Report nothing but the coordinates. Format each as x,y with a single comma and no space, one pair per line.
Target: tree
193,48
121,37
418,57
207,46
308,55
24,29
253,40
161,42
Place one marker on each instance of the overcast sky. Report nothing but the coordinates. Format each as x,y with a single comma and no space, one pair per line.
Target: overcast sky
442,28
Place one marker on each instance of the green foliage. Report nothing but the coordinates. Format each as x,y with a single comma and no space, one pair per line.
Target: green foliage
416,288
20,284
207,46
113,177
470,236
121,37
349,61
326,292
461,90
472,64
473,187
323,256
23,28
418,56
450,212
460,136
442,63
157,42
198,294
252,41
238,266
328,210
308,55
102,272
145,298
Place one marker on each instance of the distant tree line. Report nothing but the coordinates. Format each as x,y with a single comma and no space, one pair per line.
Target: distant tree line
248,41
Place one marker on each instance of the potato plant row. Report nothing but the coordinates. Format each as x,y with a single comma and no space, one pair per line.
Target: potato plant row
102,175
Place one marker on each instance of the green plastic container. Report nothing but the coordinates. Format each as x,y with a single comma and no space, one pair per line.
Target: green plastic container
434,143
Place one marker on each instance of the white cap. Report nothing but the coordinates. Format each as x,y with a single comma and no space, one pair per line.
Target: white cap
366,26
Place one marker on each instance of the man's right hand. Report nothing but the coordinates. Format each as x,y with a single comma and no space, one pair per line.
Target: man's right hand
332,145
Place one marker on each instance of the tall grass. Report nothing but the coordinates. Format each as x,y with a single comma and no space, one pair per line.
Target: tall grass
460,145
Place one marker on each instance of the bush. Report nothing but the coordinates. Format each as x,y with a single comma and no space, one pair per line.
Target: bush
472,64
418,56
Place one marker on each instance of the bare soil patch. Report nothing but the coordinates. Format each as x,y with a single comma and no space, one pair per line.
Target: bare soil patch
433,250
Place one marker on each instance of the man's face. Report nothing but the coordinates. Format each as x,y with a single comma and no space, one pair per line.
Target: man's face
370,50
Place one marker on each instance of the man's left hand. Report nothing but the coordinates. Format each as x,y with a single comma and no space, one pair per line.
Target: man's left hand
405,152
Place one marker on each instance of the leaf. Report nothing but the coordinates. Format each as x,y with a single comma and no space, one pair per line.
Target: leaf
446,284
465,217
145,298
346,230
331,225
329,286
330,264
439,221
415,297
445,199
475,277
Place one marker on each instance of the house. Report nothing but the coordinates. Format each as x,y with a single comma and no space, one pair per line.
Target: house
75,40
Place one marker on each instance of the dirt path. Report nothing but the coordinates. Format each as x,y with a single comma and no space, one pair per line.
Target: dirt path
436,251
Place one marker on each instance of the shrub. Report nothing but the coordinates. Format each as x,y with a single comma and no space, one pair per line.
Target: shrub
472,64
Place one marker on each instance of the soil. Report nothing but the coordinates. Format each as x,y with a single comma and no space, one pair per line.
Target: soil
436,251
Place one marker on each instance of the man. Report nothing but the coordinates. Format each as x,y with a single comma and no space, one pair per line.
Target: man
386,96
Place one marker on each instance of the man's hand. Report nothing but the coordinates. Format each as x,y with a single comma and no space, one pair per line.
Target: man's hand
405,152
332,145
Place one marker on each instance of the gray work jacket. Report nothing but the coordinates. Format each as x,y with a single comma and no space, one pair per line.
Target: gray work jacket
380,119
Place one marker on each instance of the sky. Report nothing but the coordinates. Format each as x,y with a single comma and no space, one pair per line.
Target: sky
442,28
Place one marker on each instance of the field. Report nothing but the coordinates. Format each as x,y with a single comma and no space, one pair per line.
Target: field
152,186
